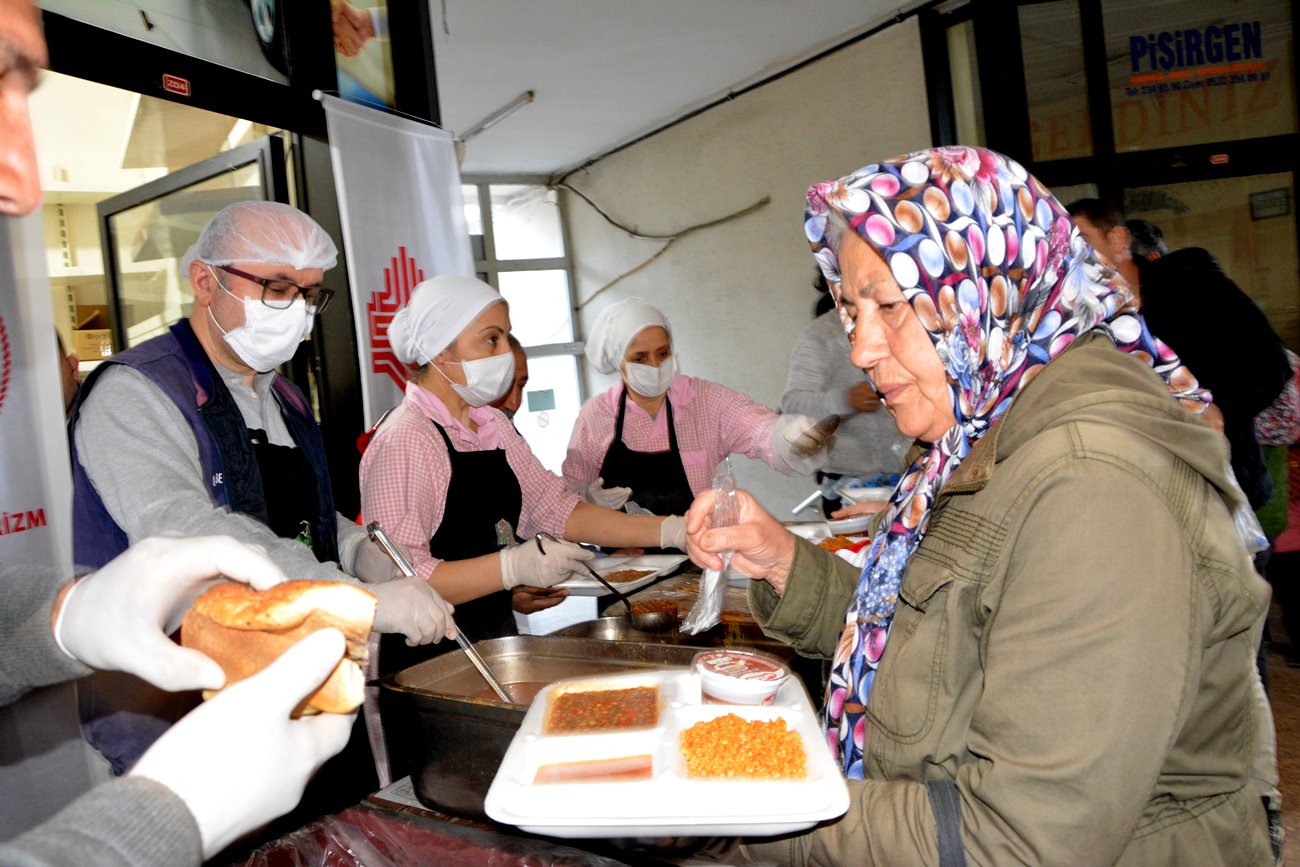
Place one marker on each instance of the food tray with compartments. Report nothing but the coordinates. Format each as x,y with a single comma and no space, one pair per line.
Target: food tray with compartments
633,781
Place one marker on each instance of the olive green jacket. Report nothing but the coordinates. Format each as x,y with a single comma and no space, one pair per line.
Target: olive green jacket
1072,647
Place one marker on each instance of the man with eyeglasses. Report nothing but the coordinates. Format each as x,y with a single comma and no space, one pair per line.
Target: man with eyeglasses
193,432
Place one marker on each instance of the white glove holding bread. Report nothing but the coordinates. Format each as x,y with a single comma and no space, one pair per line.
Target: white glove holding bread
241,759
117,618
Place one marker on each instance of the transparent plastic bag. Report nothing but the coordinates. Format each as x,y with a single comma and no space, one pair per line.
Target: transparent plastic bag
707,610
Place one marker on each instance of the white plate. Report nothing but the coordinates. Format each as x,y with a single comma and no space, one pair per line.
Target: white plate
668,804
585,585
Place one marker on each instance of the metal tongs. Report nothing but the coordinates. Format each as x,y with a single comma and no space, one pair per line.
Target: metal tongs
380,538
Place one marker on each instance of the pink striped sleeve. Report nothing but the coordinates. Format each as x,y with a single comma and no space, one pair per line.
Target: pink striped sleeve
592,434
404,477
547,503
744,427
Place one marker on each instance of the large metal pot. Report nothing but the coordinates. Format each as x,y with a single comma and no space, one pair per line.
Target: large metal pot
453,743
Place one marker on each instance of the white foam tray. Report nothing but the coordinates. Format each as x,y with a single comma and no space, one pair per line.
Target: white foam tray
585,585
668,804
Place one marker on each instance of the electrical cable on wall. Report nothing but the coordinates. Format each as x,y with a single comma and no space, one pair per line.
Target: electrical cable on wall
671,238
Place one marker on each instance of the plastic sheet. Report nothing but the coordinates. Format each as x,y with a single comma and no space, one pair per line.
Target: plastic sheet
362,837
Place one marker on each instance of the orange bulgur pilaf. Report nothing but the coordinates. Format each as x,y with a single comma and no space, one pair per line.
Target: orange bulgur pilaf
729,746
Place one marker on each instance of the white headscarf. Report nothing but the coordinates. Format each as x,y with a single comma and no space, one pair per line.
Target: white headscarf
439,310
615,328
266,233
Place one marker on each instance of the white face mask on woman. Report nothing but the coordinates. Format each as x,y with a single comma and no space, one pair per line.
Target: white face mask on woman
486,379
269,336
650,381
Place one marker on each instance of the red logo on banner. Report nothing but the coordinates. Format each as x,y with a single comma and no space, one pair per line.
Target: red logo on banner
4,362
175,84
399,279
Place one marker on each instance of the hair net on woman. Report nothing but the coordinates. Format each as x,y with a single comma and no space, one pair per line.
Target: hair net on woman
439,310
263,232
615,328
1002,283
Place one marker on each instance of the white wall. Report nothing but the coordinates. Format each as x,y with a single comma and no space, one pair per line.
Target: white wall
739,294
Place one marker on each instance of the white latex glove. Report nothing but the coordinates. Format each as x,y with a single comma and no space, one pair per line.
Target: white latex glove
373,566
118,618
610,498
411,607
527,564
238,760
672,533
795,441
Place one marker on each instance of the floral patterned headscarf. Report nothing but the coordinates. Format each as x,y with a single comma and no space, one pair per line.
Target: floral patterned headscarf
1002,283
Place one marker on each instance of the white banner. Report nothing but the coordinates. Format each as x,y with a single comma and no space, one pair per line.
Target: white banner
42,753
403,221
35,479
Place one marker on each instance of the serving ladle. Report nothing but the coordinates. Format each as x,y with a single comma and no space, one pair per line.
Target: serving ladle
646,620
385,542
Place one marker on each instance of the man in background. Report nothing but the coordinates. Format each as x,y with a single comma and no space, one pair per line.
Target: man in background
1241,359
510,402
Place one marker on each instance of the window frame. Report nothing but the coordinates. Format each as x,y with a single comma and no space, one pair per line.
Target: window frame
491,267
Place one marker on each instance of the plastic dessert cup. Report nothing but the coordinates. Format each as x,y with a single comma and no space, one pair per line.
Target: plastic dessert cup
739,676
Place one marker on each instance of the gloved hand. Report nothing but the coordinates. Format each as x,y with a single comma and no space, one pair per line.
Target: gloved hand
411,607
672,533
238,760
530,564
118,617
610,498
796,440
373,566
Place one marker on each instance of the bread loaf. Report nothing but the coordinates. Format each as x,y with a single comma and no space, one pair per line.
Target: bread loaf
244,630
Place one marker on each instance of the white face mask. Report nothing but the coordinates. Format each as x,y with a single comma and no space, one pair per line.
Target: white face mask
268,337
486,379
650,381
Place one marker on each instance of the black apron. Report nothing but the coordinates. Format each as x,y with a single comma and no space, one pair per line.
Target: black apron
657,479
289,485
483,490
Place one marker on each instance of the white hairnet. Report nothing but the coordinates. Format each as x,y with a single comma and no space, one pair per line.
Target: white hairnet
439,310
615,327
265,233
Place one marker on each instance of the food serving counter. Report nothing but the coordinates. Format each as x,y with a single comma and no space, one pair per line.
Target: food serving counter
455,733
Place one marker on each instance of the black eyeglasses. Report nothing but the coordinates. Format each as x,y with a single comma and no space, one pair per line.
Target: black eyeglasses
279,294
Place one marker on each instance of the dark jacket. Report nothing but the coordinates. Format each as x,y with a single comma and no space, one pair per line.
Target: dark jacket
1227,343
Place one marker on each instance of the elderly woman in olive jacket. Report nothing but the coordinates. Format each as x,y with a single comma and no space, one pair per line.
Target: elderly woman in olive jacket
1047,656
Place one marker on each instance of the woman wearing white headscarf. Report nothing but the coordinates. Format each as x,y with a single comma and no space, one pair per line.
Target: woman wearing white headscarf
624,446
445,468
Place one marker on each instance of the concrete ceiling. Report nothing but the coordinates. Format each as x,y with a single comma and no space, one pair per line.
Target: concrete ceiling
605,72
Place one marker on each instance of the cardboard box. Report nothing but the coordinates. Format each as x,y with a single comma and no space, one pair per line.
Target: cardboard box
92,317
92,344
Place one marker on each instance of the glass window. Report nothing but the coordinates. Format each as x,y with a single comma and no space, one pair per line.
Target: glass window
1192,73
474,220
539,306
963,68
1052,44
1248,224
553,383
526,222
